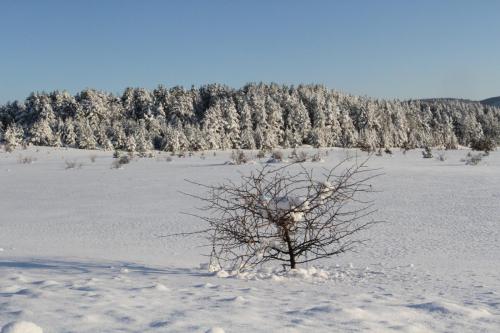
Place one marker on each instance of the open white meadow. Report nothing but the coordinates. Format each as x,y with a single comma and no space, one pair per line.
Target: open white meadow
80,250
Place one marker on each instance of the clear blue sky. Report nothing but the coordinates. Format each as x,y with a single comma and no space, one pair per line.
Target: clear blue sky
399,48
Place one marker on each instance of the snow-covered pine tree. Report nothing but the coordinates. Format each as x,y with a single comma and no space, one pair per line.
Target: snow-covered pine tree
332,123
267,116
180,109
39,108
365,119
297,122
259,115
246,127
399,123
86,138
130,145
118,136
318,134
194,138
349,135
160,100
41,133
198,142
69,137
102,137
273,136
469,129
175,139
142,140
13,136
213,127
231,121
64,104
143,103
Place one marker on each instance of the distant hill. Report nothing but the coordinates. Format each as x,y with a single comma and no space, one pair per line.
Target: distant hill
446,99
494,101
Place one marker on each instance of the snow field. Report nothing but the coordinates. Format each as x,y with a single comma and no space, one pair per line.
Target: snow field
82,252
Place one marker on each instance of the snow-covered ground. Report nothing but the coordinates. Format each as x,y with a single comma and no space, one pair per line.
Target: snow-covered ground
80,251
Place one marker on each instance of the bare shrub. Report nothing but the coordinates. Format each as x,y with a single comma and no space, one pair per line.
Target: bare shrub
160,158
485,145
238,157
286,215
451,145
472,159
26,159
148,154
261,154
9,148
441,156
300,157
365,146
121,161
427,152
73,165
406,147
388,151
276,157
368,149
316,157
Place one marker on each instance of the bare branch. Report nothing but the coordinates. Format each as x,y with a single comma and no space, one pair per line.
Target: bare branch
286,215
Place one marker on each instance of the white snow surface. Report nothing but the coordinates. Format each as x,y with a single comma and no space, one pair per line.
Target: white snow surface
81,251
21,327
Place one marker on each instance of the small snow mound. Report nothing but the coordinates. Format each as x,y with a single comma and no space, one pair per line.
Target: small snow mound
222,274
46,283
215,330
277,274
160,287
20,278
91,318
309,273
21,327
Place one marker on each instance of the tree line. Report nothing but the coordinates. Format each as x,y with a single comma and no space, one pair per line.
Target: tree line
256,116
